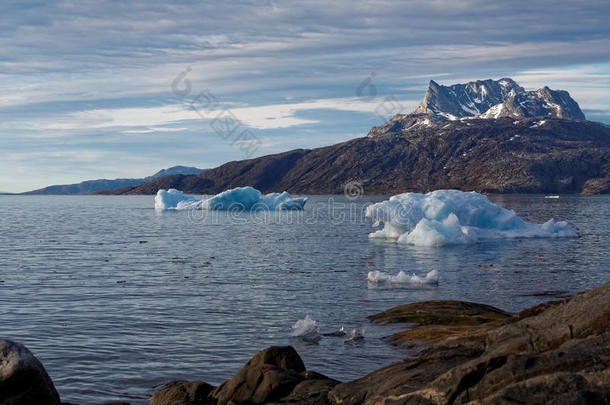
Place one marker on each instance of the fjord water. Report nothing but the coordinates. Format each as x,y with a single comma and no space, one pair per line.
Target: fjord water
115,297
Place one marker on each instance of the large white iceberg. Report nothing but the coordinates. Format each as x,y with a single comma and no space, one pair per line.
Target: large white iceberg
446,217
238,199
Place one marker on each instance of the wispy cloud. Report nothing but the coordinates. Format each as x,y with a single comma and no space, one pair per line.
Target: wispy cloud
96,75
156,119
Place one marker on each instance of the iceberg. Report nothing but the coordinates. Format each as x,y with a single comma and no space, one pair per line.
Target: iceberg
402,278
174,199
449,217
237,199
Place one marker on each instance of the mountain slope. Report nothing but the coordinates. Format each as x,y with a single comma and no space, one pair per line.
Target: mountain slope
528,156
94,186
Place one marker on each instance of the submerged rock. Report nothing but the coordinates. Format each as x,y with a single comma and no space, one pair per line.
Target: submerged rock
23,379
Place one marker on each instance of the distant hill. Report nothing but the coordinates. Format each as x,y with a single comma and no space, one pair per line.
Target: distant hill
488,136
94,186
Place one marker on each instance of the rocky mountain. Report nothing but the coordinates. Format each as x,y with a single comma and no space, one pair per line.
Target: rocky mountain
94,186
495,99
545,146
500,155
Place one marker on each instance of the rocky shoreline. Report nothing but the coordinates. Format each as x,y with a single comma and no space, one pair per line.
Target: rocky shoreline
554,353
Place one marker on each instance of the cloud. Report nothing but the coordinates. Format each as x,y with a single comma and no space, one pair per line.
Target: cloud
156,119
87,73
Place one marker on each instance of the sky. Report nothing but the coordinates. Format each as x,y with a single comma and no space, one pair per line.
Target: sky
109,89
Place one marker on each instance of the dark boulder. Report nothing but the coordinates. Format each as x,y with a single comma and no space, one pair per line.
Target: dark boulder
280,356
23,379
269,375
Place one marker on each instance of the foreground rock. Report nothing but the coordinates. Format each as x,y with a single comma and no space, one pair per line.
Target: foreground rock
556,353
276,374
182,392
23,379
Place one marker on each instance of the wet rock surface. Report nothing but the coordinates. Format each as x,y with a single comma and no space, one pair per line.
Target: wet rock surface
439,319
556,352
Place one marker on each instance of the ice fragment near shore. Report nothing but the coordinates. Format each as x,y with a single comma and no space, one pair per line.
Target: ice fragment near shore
306,330
445,217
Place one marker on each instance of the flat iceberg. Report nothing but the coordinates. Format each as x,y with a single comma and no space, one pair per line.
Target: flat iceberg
402,278
237,199
446,217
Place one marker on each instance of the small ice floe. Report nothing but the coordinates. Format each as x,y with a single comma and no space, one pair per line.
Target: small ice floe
403,278
307,330
338,333
551,196
355,336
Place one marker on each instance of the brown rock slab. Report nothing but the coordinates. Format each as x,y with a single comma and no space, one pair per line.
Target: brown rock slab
313,391
440,319
183,393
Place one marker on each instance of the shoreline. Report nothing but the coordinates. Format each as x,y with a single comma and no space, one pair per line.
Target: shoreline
556,351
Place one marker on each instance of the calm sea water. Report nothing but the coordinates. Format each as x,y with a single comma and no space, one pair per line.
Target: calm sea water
115,298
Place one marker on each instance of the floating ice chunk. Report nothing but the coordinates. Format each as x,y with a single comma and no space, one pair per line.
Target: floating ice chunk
402,278
355,335
237,199
306,330
445,217
174,199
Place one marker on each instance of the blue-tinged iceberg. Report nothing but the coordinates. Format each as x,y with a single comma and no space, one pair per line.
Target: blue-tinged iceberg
445,217
173,199
237,199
